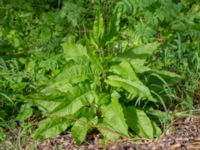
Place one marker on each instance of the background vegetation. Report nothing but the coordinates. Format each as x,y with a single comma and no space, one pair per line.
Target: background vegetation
127,66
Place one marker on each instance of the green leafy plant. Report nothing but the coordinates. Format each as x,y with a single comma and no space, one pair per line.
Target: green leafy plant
106,88
97,65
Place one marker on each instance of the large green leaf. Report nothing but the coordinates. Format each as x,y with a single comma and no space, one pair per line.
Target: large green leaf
107,131
95,59
50,127
139,122
141,53
103,98
45,103
81,127
25,112
125,70
169,77
156,130
74,74
68,103
135,88
139,68
70,74
77,97
113,28
113,116
55,88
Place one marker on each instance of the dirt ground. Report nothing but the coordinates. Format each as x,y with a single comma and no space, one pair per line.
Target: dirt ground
182,134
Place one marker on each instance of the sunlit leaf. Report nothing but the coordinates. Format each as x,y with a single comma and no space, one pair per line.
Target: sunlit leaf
76,98
139,122
113,115
83,125
25,112
125,70
135,88
50,127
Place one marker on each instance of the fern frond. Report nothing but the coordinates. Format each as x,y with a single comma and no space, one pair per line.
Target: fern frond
126,6
144,32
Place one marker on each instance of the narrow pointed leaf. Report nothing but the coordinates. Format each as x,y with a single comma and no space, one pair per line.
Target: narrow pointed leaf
98,29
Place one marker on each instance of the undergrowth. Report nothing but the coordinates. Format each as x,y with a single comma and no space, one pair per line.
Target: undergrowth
122,68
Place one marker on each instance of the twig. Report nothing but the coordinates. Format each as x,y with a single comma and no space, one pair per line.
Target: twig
59,2
184,123
19,139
